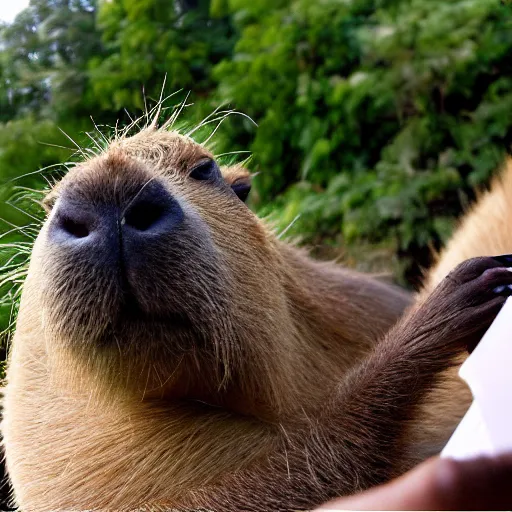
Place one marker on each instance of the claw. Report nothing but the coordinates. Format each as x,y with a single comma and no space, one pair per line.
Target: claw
507,288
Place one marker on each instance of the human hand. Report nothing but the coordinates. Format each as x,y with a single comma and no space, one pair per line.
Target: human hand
483,483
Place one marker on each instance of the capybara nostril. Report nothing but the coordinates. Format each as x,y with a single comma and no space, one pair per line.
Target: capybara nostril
152,211
72,222
144,215
74,228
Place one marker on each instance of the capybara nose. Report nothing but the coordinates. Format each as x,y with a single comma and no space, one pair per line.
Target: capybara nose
133,224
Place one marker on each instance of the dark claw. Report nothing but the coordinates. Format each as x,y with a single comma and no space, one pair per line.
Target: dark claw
505,289
504,259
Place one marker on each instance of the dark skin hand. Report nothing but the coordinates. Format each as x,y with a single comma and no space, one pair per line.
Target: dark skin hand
441,484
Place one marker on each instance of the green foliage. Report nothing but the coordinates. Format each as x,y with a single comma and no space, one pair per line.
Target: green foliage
44,58
147,40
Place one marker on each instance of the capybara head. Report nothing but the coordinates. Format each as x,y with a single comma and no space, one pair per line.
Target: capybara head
154,277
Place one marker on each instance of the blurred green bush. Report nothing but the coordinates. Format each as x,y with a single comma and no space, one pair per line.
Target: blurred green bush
376,118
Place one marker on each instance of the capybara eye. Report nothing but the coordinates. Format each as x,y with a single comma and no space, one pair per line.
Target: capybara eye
207,170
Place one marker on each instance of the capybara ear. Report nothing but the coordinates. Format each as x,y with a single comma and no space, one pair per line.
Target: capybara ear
239,179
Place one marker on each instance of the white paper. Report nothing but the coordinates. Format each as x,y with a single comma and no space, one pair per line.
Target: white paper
486,429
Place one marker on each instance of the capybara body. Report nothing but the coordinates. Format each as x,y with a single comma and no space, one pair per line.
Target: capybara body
169,347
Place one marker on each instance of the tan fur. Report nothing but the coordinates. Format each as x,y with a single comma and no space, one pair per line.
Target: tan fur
88,427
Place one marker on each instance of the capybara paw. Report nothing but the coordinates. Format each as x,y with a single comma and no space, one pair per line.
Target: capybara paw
477,281
467,301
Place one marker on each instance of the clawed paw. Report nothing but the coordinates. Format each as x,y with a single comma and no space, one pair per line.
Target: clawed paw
467,301
480,279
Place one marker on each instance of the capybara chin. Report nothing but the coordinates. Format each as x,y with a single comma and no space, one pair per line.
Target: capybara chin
171,352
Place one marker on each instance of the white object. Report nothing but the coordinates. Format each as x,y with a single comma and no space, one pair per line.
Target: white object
486,429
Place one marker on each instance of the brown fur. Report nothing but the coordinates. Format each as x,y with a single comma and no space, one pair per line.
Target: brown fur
246,381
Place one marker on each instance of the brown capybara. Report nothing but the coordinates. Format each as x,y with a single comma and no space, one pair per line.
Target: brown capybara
172,353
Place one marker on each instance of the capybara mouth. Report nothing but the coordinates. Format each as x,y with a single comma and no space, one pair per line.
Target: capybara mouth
131,312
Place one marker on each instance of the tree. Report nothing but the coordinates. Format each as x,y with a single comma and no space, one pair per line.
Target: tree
152,40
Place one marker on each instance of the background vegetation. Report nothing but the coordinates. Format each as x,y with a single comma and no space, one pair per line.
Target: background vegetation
376,118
